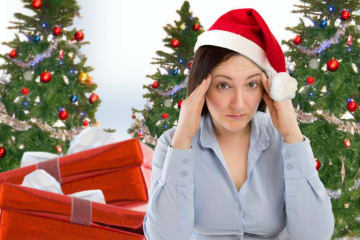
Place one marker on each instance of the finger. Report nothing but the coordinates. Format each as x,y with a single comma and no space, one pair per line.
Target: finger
265,83
269,102
207,83
199,96
196,90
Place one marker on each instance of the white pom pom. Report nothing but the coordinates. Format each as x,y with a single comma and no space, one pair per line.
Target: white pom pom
283,87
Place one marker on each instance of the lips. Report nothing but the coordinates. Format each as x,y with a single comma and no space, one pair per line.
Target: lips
242,115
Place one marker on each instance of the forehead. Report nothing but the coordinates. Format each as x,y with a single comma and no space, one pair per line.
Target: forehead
237,65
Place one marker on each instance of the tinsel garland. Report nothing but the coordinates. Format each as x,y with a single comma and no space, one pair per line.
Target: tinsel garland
326,43
46,54
24,126
147,138
174,90
344,126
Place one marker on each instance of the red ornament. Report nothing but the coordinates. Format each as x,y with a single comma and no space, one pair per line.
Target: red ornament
189,64
79,36
140,134
36,4
349,40
63,115
333,65
24,91
196,27
352,106
2,152
297,40
133,116
45,77
57,31
345,15
179,103
155,84
318,164
59,148
61,54
347,143
175,42
13,53
310,80
165,116
85,123
93,98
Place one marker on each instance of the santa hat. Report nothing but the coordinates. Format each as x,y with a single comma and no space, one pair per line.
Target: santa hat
245,31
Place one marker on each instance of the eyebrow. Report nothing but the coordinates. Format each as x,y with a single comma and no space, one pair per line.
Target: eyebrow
225,76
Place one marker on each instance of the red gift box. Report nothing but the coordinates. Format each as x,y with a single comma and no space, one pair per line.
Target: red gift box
117,169
29,213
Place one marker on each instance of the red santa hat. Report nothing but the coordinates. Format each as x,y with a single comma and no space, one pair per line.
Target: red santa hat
245,31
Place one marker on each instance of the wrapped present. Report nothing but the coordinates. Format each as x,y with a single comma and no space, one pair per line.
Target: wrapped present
29,213
116,169
88,138
40,179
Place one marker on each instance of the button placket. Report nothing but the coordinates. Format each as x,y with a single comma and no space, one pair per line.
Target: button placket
183,173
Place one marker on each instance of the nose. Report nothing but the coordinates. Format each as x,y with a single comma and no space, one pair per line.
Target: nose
237,101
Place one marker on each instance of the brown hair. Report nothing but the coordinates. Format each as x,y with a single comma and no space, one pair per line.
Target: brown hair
206,58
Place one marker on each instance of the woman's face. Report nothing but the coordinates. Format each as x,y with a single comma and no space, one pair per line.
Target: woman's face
236,88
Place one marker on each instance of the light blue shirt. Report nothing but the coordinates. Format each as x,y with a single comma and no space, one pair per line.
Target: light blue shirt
193,197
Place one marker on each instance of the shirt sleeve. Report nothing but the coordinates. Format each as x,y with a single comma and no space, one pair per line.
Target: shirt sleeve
170,212
308,207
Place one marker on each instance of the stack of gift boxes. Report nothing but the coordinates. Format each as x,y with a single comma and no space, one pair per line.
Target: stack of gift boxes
121,170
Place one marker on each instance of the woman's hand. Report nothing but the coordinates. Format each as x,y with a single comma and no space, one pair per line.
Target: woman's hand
190,115
283,115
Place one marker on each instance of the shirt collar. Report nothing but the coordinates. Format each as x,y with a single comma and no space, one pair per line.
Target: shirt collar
258,131
260,138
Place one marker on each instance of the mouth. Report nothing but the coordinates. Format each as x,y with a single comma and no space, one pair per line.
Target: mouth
237,116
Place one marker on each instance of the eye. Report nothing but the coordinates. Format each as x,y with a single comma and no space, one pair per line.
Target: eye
221,85
255,83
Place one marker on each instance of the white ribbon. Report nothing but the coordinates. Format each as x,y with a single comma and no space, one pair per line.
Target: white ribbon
40,179
90,137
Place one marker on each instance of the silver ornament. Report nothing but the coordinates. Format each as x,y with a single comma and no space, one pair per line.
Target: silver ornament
167,103
314,63
149,105
28,75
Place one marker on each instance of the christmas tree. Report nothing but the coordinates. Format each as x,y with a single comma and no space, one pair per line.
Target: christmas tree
46,94
168,90
324,57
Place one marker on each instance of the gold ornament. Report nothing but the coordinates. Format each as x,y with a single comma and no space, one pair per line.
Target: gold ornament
346,205
84,78
342,172
182,26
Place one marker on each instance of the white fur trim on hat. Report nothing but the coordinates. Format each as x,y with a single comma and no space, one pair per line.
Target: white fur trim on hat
283,86
236,43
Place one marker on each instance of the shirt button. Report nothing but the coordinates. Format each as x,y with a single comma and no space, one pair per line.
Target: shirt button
185,160
184,173
287,155
289,166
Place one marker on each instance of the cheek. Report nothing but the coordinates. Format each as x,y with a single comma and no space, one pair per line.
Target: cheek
214,100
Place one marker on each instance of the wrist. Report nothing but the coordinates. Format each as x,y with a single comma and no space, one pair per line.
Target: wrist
292,139
181,142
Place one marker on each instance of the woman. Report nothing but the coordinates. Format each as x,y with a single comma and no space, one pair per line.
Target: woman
229,170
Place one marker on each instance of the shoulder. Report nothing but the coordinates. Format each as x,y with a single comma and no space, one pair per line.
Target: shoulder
167,136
